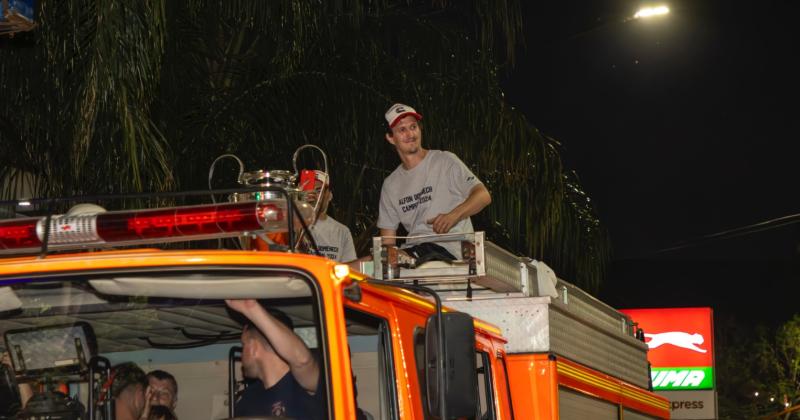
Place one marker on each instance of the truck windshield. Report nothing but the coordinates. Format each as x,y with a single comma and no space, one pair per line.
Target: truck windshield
72,343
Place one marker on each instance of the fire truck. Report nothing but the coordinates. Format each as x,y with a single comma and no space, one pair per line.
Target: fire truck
489,336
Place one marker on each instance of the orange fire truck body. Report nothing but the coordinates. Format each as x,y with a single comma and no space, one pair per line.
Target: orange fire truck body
165,309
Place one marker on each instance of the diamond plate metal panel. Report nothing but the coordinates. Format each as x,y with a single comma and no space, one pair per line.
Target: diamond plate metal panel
524,321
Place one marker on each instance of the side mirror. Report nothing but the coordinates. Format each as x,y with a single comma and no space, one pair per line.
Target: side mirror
460,386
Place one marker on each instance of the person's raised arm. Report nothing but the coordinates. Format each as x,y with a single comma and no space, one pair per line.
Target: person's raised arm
388,219
477,200
286,343
389,232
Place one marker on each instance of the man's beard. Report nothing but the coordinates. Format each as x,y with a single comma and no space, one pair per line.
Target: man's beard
414,148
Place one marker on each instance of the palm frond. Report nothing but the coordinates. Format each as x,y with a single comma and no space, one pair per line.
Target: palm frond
124,96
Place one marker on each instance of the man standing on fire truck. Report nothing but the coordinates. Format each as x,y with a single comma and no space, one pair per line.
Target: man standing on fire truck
431,191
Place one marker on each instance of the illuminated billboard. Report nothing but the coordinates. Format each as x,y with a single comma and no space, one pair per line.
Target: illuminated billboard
681,342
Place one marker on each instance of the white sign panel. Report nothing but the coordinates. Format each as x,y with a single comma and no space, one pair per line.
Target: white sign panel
694,405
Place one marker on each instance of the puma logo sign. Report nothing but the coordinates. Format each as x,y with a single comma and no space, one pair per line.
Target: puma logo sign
676,338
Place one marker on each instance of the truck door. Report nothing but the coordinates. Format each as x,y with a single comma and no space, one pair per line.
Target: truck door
374,380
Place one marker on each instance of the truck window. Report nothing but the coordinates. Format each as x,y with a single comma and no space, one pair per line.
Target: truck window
485,392
186,331
500,375
371,361
419,360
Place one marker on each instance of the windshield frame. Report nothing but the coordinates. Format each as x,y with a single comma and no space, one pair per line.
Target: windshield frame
317,296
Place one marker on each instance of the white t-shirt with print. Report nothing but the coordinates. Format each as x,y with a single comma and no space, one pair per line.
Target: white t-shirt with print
435,186
334,240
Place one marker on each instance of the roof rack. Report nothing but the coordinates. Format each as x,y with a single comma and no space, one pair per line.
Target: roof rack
536,310
485,269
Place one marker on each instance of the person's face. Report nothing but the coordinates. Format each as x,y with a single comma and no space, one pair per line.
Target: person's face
253,349
248,358
406,135
312,196
163,393
135,399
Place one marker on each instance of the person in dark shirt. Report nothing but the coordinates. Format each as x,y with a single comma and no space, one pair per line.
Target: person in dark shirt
285,375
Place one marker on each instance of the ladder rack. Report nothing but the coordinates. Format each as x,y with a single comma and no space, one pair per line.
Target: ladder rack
484,267
536,310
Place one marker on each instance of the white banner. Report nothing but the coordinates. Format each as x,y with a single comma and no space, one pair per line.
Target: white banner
694,405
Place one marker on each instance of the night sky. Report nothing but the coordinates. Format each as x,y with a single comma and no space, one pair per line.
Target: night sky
678,127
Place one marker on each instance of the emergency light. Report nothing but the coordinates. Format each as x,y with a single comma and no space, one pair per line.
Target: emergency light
143,226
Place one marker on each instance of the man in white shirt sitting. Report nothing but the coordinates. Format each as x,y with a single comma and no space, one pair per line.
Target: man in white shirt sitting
430,192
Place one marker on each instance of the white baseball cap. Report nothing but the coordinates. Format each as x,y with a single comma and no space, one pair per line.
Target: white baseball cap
398,111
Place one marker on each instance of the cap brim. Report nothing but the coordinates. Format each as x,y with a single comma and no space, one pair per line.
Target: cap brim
403,115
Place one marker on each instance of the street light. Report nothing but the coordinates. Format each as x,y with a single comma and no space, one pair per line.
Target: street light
643,13
647,12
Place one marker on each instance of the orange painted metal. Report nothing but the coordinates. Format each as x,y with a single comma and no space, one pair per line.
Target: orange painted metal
321,269
535,379
591,382
156,258
501,393
407,313
401,322
534,386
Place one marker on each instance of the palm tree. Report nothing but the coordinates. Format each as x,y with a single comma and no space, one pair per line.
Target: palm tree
117,96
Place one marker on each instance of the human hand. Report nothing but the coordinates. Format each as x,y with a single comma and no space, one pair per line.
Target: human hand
443,222
148,395
243,306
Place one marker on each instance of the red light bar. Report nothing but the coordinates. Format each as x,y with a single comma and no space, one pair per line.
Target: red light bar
144,226
19,233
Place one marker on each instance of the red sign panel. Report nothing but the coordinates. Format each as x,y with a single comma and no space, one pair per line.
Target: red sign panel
677,337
